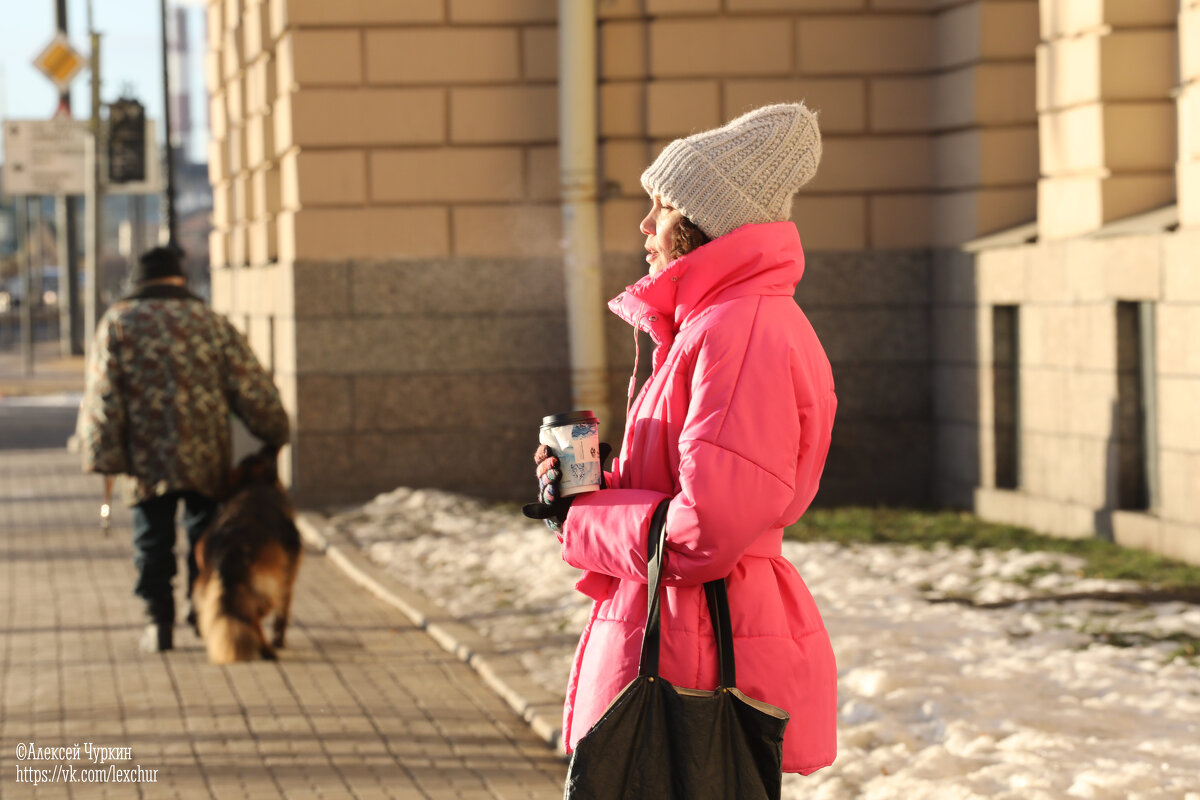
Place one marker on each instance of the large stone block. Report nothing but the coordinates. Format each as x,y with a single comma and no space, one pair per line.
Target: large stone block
383,232
1122,65
831,222
882,391
984,95
795,5
266,192
1072,17
261,85
986,157
981,30
865,44
1179,485
1000,275
519,114
620,220
720,47
664,7
328,403
431,55
900,221
865,279
872,335
1132,266
458,286
539,54
1178,401
441,400
1181,276
624,49
1177,331
447,174
1071,206
367,345
623,109
321,13
347,117
956,393
507,230
621,166
1120,137
955,335
678,108
900,104
308,58
218,118
488,11
256,32
874,164
1188,111
262,241
959,217
1187,176
260,141
840,102
541,173
323,178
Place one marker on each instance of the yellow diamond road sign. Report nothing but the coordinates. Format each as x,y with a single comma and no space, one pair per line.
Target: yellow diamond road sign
59,61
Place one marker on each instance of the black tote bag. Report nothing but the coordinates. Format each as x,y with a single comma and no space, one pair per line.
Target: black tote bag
661,742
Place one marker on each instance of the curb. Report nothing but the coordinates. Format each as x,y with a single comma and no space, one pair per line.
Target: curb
504,674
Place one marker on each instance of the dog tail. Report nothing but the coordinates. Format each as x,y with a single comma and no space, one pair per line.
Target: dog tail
228,637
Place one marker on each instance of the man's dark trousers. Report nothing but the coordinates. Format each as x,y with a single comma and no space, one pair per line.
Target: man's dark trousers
154,547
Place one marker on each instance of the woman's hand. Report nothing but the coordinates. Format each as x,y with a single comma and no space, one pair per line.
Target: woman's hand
549,506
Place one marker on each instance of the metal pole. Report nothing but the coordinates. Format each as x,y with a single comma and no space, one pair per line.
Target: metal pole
37,256
95,202
26,287
166,81
577,95
69,330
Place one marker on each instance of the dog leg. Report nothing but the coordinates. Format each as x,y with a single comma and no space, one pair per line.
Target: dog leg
284,608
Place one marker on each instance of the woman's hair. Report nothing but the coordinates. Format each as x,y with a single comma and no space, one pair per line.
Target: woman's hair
688,237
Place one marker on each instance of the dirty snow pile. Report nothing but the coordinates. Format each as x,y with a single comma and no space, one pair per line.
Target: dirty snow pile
1038,701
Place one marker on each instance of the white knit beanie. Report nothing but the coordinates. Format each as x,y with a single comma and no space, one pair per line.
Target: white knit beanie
745,171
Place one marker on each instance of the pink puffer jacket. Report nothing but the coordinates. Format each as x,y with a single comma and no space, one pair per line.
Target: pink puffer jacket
733,425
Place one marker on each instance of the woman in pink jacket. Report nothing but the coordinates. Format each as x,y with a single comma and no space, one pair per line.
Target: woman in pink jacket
733,426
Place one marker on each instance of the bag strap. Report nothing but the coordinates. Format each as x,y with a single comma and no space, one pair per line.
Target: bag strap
714,591
648,665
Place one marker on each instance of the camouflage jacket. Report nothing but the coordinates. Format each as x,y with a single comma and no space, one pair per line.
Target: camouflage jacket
163,376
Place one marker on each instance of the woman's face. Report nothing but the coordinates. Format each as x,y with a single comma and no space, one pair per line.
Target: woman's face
659,227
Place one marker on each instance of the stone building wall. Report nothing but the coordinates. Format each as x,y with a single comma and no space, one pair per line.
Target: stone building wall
387,230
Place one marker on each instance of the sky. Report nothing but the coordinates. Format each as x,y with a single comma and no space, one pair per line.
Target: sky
130,55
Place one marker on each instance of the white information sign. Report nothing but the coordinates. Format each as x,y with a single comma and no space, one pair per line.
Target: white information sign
49,157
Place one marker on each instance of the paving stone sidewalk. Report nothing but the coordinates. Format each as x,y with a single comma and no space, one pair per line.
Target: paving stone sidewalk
361,704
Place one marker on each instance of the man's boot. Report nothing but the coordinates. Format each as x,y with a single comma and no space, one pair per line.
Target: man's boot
159,634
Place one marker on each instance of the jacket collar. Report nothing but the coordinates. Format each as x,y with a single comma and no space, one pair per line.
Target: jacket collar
758,259
160,291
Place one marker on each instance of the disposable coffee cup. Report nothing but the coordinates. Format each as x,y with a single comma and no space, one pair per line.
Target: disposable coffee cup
574,437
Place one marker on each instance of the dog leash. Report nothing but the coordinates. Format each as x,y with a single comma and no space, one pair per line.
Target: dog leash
106,506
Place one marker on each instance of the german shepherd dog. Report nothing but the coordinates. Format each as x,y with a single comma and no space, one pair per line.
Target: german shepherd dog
248,560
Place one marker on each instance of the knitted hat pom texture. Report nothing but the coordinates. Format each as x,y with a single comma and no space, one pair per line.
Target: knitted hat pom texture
742,172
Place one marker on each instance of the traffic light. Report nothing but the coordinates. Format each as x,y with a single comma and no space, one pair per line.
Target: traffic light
126,141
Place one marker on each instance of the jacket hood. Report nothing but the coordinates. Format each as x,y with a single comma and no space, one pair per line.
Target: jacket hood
757,259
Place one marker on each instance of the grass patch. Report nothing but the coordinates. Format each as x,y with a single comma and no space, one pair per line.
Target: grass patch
926,529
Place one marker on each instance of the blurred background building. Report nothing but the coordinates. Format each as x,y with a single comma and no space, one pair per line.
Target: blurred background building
1003,239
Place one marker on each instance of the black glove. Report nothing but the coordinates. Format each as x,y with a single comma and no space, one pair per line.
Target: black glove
549,506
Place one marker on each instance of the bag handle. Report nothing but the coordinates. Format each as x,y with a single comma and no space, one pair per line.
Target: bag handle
714,591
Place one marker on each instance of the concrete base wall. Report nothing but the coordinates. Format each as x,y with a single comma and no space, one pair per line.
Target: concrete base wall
437,372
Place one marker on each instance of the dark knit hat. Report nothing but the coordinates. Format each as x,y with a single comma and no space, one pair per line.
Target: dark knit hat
161,262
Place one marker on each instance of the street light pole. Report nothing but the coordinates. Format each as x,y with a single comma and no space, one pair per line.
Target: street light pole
166,81
70,334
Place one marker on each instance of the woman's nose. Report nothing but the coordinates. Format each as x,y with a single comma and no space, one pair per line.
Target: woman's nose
647,226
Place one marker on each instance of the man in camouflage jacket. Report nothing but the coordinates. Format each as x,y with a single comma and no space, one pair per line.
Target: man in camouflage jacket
164,374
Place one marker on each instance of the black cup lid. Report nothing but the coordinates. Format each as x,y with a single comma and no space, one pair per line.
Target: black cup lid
568,418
